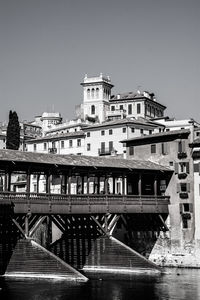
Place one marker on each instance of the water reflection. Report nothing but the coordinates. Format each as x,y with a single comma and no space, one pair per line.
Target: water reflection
174,284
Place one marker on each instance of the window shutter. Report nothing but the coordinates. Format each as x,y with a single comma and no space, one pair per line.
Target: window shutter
183,146
187,167
188,187
166,148
191,207
181,208
178,188
176,168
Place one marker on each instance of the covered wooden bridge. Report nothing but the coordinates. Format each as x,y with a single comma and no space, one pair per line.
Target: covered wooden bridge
84,198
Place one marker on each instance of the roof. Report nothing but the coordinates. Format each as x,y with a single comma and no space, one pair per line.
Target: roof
132,96
76,160
123,122
159,136
57,136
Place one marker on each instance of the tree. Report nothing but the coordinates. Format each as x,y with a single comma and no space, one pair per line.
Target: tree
13,132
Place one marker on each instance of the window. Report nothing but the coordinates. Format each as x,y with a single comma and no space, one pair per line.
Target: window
141,131
186,207
150,131
124,129
35,188
182,167
34,147
92,93
62,144
131,150
181,146
45,146
110,146
112,108
130,109
183,187
70,143
97,93
88,134
138,108
93,110
153,148
102,132
88,147
110,132
171,163
79,143
132,129
121,107
164,148
102,147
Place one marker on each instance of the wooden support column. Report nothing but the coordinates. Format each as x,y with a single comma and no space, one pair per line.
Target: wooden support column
82,183
94,184
9,181
140,184
65,184
48,183
88,183
38,183
98,184
77,181
155,186
106,184
69,180
28,181
114,184
6,181
123,184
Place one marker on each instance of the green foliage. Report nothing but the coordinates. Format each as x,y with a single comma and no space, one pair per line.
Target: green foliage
13,132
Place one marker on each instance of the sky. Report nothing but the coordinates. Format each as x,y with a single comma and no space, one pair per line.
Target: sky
47,46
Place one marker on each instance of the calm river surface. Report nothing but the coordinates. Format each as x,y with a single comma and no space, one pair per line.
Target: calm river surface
175,284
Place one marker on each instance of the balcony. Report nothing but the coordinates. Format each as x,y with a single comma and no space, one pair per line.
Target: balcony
182,175
183,195
196,154
52,150
105,151
182,155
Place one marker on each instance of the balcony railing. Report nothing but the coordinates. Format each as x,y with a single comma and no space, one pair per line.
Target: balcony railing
105,151
182,155
84,203
196,154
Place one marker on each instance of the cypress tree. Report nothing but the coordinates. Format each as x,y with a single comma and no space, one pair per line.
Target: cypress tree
13,132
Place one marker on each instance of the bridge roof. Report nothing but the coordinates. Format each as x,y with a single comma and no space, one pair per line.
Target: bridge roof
42,159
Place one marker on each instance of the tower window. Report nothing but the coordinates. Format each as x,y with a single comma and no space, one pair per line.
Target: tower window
93,110
92,94
88,93
153,148
138,108
97,93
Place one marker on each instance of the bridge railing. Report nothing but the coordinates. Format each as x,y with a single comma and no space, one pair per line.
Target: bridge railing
80,199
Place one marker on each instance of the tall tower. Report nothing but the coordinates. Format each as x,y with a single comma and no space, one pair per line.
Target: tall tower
96,95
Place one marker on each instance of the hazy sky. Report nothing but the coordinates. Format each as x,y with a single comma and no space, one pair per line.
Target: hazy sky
46,47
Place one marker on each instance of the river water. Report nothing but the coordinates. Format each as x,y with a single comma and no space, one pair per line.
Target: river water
183,284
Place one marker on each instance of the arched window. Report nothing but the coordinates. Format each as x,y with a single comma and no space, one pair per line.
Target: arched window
97,93
92,94
88,93
92,110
